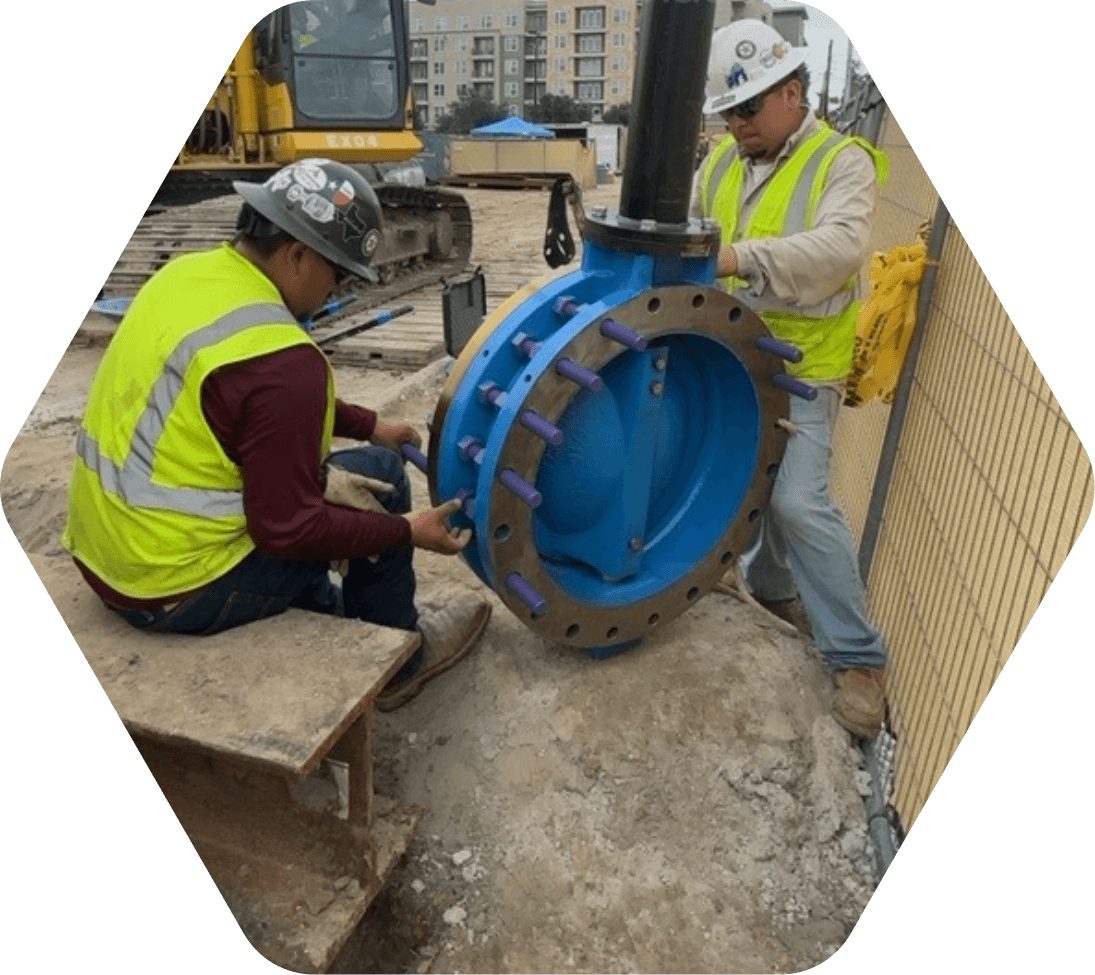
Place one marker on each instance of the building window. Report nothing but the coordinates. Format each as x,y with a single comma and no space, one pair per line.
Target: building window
591,43
438,45
617,64
590,91
441,23
461,43
438,91
561,41
560,65
421,93
591,18
511,65
512,19
513,43
560,16
619,39
419,72
561,88
486,21
591,67
462,23
418,24
511,89
461,67
621,15
420,48
617,87
439,67
461,90
438,111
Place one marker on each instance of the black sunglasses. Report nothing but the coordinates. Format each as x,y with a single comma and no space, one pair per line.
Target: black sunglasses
748,108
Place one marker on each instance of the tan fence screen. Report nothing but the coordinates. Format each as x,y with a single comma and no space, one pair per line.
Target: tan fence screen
988,490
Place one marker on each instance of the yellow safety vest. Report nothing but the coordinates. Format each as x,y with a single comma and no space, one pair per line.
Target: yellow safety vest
787,205
155,505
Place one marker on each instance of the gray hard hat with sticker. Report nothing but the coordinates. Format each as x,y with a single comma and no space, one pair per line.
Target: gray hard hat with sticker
325,204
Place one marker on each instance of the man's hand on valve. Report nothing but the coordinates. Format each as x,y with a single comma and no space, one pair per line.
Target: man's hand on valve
394,435
429,531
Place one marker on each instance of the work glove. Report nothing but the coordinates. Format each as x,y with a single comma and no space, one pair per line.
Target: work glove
350,490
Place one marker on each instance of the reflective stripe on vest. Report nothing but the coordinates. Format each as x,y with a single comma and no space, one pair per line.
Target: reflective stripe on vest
155,503
133,481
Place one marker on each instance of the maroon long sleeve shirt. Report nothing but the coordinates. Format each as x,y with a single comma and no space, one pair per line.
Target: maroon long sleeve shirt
267,414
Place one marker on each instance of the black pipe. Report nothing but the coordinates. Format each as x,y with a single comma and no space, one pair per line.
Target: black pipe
666,109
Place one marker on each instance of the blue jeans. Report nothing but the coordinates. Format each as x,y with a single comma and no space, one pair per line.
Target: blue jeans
261,585
804,546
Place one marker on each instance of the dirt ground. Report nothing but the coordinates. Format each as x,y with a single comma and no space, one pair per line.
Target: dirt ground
689,805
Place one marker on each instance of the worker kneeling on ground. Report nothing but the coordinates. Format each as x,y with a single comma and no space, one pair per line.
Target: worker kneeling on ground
197,500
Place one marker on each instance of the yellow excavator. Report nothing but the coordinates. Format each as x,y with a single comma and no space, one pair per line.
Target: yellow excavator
324,78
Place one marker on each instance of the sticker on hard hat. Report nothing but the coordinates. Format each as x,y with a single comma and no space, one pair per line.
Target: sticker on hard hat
745,49
736,76
767,59
369,242
319,209
279,181
780,51
310,177
344,194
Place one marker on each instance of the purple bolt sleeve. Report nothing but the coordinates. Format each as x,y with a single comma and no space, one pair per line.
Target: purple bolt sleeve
794,387
580,375
623,335
787,352
415,456
519,486
529,596
544,430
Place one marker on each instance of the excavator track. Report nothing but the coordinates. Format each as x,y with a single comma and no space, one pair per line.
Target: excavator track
426,237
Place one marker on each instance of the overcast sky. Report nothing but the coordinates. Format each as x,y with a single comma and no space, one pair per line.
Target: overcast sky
820,29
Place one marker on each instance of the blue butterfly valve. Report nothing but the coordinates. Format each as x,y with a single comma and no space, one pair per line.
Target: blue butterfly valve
614,432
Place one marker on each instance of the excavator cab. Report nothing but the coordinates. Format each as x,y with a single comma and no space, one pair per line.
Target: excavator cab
324,78
318,78
342,62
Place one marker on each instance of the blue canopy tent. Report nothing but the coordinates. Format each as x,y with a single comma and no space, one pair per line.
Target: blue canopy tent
513,127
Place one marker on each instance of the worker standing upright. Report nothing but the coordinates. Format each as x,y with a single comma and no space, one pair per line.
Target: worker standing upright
794,201
197,499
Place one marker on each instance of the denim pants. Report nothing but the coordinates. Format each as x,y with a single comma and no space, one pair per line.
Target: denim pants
804,546
261,585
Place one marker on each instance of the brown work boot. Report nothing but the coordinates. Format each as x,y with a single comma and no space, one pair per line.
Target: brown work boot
448,635
860,703
790,611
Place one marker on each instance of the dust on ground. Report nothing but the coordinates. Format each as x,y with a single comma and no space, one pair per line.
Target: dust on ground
688,805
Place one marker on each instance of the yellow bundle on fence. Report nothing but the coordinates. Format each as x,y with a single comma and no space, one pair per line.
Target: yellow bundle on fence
886,323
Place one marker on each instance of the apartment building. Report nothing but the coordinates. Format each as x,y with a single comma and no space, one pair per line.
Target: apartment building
513,52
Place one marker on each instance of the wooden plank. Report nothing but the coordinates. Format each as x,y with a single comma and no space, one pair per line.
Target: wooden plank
276,693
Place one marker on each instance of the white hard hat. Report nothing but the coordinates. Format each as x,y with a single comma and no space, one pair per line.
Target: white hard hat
747,57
